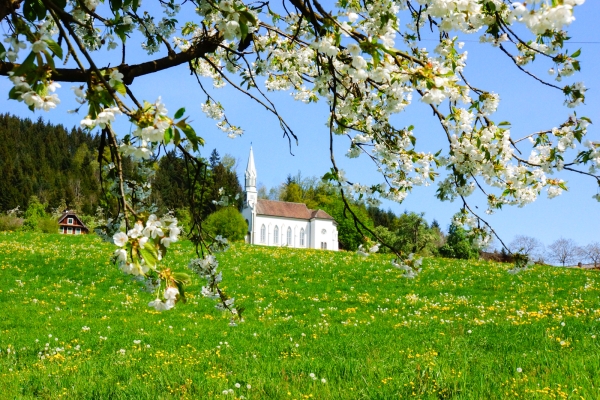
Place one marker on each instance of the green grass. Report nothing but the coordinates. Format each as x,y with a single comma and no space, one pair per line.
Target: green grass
460,330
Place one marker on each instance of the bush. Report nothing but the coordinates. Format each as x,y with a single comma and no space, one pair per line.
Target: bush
458,245
47,225
227,222
89,221
34,213
10,223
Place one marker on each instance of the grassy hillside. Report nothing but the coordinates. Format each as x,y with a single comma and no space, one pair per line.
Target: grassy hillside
320,325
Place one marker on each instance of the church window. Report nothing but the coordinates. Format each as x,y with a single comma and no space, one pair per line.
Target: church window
263,234
289,236
276,235
324,245
302,237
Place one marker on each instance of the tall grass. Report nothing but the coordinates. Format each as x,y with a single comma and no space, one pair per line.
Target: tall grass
317,324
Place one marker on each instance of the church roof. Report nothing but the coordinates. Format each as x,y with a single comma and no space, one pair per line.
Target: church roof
289,210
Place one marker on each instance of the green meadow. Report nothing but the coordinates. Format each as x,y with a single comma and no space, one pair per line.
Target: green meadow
318,325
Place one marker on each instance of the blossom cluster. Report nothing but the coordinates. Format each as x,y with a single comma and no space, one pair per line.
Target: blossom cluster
206,268
411,266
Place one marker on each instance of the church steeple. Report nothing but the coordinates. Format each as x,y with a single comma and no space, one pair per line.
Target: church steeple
251,194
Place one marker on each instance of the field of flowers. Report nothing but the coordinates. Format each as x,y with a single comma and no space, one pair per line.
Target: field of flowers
318,324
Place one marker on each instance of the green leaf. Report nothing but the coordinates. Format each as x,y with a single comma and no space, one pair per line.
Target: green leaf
120,88
150,254
181,288
248,16
56,49
27,64
179,113
168,135
243,29
504,123
49,60
376,58
182,277
190,133
2,48
576,54
116,4
176,136
28,10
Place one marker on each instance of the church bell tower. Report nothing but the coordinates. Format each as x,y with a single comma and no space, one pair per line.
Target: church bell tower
251,193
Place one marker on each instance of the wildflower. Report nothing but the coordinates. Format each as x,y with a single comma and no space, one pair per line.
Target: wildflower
519,370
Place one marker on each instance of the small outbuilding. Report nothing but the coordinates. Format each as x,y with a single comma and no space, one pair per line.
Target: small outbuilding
70,224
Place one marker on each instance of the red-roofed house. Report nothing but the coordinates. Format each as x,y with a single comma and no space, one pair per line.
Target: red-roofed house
70,224
281,223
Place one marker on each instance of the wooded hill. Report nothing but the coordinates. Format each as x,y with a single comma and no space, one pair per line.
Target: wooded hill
48,161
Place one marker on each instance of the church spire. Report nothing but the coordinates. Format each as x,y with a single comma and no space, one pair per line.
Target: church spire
251,194
250,171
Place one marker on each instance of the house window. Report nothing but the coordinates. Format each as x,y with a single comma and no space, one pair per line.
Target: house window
70,221
78,231
323,245
69,230
276,235
302,237
263,234
289,237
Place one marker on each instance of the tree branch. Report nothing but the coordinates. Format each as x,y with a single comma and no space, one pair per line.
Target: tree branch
206,45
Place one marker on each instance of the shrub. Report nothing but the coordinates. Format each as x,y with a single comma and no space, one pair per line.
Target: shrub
34,213
227,222
10,223
47,225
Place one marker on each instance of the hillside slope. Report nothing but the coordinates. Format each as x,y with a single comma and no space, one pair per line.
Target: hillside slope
318,324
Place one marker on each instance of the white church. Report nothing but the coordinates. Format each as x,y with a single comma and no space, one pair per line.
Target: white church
281,223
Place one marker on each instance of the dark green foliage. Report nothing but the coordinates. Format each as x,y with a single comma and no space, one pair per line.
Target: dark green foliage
349,237
227,222
172,184
458,245
45,160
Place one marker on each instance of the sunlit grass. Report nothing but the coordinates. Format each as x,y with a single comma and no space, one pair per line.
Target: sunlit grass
317,325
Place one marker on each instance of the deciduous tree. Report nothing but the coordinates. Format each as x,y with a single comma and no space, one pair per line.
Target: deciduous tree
564,251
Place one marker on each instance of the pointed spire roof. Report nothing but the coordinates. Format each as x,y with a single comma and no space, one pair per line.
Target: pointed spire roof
251,169
251,172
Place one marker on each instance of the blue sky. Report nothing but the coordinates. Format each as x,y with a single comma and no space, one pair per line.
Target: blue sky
528,105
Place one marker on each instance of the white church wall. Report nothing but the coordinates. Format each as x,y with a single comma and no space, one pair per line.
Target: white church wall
324,233
283,224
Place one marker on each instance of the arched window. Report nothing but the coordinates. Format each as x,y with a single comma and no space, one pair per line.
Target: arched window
289,237
263,234
302,237
276,235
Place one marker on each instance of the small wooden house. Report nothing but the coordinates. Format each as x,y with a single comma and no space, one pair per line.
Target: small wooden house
70,224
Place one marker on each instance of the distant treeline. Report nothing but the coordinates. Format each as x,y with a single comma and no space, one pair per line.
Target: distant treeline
48,161
60,167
